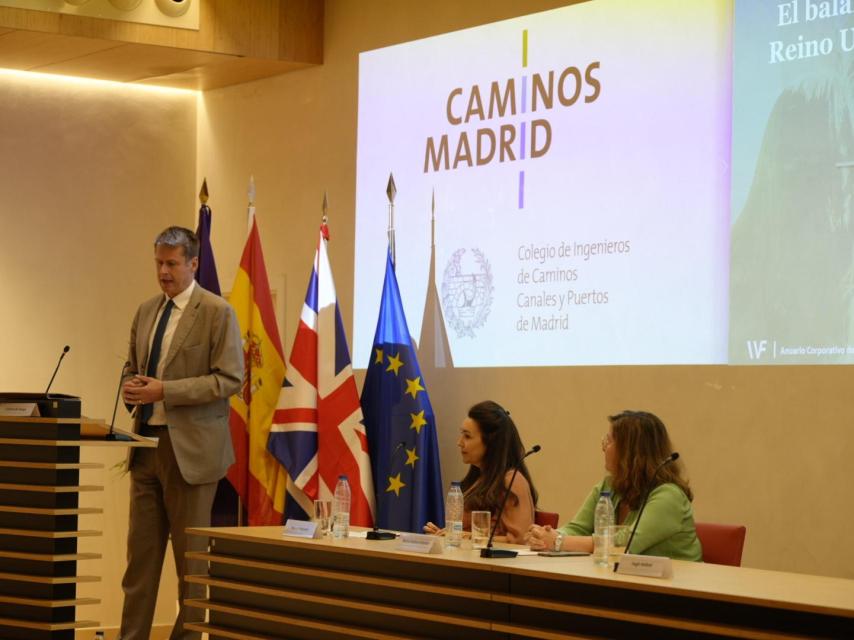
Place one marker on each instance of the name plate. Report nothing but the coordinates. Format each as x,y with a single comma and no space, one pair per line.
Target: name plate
19,409
301,529
421,543
649,566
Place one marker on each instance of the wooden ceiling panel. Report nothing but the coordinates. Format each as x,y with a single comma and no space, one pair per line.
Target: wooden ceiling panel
29,20
133,32
133,62
224,74
236,42
27,50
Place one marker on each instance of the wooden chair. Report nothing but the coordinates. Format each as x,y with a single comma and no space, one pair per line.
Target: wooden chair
544,518
722,543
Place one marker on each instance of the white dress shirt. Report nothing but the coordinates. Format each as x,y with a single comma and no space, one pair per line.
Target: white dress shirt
158,412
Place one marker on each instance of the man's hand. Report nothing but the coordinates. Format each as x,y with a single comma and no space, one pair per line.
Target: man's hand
142,390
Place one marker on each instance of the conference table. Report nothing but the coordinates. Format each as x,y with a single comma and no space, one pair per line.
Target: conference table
262,584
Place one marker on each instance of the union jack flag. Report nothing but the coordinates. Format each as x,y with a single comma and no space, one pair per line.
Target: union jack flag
317,431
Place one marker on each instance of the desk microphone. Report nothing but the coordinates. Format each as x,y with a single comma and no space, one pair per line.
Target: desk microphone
671,458
111,435
65,350
376,534
488,551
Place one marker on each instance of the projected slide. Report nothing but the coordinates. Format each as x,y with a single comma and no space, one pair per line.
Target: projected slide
792,290
580,164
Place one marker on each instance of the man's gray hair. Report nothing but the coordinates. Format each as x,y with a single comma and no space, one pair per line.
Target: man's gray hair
179,237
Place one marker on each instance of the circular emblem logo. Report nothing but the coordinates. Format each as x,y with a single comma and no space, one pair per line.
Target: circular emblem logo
467,291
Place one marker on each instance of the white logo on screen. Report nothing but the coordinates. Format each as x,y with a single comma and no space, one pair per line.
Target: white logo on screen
755,348
467,291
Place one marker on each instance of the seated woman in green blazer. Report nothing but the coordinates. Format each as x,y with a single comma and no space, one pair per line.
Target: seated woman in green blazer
635,445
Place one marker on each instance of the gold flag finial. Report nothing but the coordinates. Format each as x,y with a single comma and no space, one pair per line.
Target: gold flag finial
325,208
203,192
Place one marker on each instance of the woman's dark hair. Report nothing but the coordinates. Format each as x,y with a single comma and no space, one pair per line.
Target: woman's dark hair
642,443
484,486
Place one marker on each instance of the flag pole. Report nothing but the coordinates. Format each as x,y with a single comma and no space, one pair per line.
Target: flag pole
433,221
250,216
391,192
250,195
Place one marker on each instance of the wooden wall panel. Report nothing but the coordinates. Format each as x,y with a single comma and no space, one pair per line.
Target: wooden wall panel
247,29
301,31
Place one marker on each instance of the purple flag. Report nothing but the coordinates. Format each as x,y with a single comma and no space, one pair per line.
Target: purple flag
206,273
225,505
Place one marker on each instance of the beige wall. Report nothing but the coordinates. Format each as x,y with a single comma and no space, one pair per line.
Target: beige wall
89,173
766,447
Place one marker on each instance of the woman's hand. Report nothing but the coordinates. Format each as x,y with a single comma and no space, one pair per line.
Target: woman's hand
540,538
433,529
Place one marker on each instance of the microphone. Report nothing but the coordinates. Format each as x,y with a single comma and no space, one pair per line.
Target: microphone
111,435
375,533
488,551
65,350
671,458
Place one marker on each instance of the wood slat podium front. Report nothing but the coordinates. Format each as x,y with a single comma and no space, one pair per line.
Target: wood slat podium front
39,511
263,585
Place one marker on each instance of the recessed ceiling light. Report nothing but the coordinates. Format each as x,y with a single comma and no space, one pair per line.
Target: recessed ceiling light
173,8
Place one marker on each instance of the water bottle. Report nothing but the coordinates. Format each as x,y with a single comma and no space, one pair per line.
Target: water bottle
603,518
341,508
454,506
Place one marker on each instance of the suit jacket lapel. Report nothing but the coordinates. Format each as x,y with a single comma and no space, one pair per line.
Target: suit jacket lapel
143,335
185,325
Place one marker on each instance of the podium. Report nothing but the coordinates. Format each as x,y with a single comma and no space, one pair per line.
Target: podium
39,512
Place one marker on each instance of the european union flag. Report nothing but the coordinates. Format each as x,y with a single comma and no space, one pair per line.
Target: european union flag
399,422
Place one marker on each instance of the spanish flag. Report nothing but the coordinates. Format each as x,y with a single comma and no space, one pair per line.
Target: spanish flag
256,475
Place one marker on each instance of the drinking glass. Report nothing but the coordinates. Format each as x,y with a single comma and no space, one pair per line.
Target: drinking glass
322,515
480,523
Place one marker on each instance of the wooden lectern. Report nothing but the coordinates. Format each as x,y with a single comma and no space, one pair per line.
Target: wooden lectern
40,440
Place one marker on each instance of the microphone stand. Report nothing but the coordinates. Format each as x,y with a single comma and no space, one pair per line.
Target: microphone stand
65,350
111,435
375,533
489,551
673,456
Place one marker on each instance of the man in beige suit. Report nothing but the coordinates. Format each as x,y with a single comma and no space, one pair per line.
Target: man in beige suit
186,359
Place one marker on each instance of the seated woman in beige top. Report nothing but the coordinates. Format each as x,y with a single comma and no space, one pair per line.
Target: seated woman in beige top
490,443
